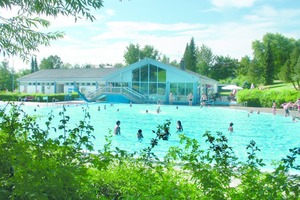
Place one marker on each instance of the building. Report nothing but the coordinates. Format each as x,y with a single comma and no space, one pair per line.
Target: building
146,81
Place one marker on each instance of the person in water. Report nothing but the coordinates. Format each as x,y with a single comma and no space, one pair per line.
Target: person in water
117,130
179,126
139,135
166,134
230,128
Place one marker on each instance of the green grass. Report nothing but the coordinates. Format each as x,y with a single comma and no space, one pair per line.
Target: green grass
279,85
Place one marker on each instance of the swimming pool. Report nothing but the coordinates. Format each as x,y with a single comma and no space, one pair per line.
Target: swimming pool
273,134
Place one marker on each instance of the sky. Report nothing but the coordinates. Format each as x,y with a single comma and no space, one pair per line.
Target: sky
227,27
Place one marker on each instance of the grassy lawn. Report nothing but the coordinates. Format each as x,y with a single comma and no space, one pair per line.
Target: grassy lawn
279,85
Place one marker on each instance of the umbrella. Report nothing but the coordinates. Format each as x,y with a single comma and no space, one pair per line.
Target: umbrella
232,87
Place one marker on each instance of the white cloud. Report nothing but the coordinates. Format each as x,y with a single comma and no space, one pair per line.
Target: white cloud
233,3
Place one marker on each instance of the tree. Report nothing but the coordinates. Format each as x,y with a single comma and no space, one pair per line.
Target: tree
134,53
224,67
189,56
269,66
20,35
149,52
52,62
271,53
205,60
5,77
34,65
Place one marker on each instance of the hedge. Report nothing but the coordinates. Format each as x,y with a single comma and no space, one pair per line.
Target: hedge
37,97
264,98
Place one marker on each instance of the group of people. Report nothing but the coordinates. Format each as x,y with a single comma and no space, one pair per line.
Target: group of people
165,135
287,106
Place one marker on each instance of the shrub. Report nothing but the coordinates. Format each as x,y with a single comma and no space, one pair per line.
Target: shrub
264,98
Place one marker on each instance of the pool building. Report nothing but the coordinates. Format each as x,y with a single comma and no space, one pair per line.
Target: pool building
146,81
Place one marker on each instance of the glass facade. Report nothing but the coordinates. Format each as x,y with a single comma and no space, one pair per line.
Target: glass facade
151,81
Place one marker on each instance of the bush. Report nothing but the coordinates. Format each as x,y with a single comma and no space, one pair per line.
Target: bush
17,96
35,166
264,98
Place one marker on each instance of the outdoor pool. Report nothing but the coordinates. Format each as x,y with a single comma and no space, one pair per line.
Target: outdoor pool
273,134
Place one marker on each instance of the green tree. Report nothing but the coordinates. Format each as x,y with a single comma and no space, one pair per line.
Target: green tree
205,59
149,52
189,56
6,77
271,53
269,66
224,67
134,53
33,65
20,35
52,62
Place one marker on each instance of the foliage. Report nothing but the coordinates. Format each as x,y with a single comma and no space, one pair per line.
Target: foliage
189,56
19,33
17,96
264,98
34,65
134,53
224,67
35,166
5,77
52,62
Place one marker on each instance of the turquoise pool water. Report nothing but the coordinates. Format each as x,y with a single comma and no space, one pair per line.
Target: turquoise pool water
274,135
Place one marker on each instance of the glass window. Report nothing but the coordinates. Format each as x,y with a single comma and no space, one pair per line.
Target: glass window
173,88
135,86
152,88
181,89
189,88
144,74
153,73
162,75
161,89
144,88
135,75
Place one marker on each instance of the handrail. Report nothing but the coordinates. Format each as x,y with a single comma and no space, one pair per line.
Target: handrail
126,91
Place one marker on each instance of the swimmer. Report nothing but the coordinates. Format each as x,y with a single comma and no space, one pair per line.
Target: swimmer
230,128
146,111
158,110
179,126
130,104
258,112
117,130
286,108
176,107
166,134
99,108
104,107
139,135
297,103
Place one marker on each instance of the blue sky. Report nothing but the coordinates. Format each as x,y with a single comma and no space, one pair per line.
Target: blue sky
228,27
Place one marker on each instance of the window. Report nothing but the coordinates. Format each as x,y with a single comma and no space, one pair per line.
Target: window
162,75
136,75
144,73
